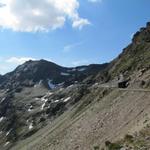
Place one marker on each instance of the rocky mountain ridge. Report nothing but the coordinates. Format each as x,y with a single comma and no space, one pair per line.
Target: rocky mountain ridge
33,72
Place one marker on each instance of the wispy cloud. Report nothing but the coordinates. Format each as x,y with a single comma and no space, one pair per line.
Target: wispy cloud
2,5
8,64
95,1
37,15
80,62
18,60
70,47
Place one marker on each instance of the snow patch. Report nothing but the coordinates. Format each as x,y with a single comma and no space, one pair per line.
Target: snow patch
43,105
95,85
74,69
30,108
82,69
3,99
49,94
51,85
8,132
37,99
61,89
1,119
65,74
67,99
31,126
70,86
38,84
77,69
44,99
7,90
56,101
6,143
35,85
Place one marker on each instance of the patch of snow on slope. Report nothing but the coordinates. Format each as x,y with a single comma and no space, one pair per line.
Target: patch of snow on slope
67,99
61,89
64,74
70,86
37,85
8,132
1,119
30,108
82,69
37,99
74,69
3,99
6,143
43,105
49,93
44,99
51,85
31,126
56,101
71,70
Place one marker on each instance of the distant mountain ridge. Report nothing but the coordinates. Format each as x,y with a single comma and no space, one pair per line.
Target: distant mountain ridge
32,72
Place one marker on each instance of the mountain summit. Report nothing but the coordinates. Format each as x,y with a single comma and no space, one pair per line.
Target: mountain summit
33,72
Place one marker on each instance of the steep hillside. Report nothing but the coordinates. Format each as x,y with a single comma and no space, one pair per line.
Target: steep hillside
133,64
134,57
101,115
32,96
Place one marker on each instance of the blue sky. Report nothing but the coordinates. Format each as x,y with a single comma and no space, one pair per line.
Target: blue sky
88,32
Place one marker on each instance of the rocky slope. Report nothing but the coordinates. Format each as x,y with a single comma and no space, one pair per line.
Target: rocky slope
46,106
32,96
135,59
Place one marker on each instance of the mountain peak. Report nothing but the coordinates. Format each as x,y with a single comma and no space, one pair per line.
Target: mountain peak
143,35
35,71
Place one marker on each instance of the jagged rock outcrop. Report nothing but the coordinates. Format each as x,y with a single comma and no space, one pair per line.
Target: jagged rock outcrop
133,63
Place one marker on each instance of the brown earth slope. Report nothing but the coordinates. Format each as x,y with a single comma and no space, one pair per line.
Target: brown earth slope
120,112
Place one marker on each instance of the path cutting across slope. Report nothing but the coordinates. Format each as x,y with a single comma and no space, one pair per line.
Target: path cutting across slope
110,118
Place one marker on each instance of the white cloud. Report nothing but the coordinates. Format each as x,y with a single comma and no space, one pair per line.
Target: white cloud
2,5
79,23
18,60
69,47
39,15
95,1
9,64
4,69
